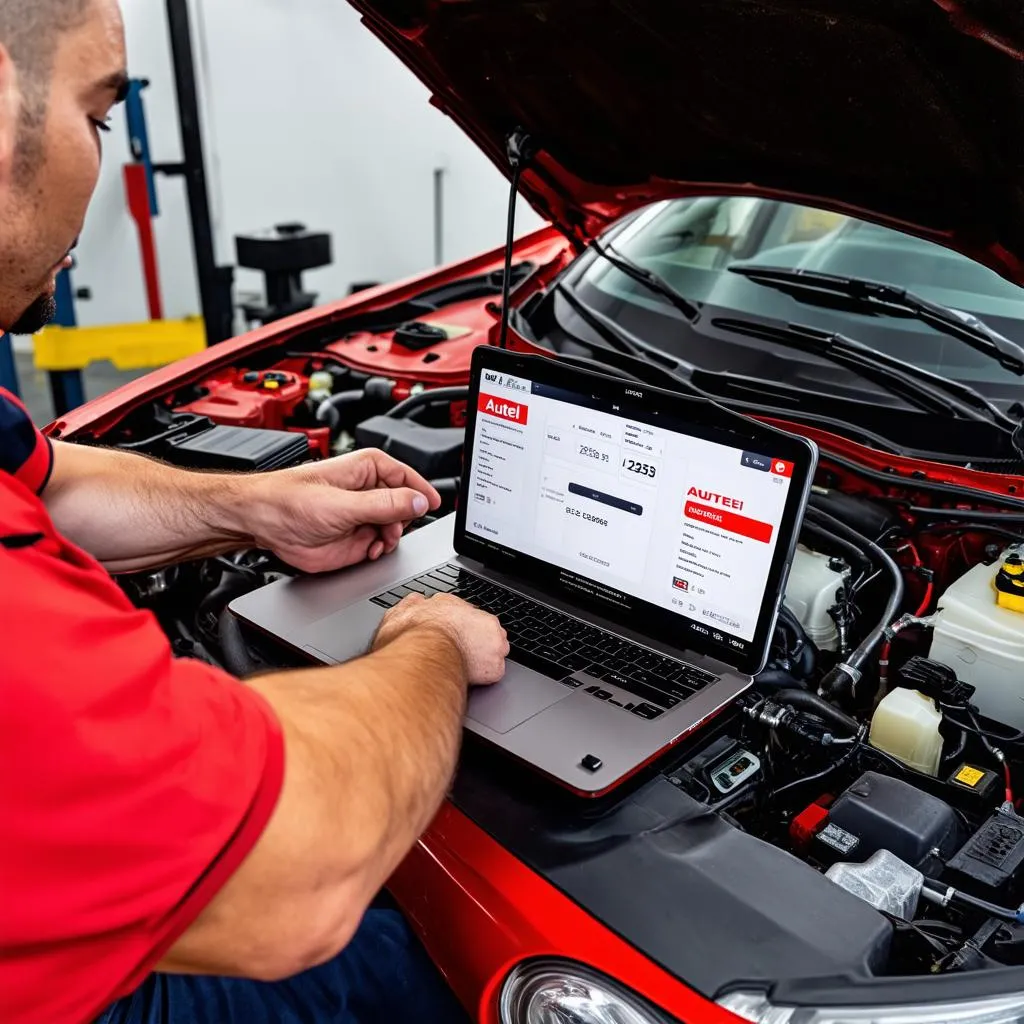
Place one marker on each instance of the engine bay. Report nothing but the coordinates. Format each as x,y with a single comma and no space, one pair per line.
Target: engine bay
882,748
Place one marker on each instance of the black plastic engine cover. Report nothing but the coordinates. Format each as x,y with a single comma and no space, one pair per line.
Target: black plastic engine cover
239,449
711,904
879,812
434,452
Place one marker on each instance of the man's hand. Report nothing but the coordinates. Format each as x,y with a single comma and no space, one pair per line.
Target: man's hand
479,637
336,513
135,514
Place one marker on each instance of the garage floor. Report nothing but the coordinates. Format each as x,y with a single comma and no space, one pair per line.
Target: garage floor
98,379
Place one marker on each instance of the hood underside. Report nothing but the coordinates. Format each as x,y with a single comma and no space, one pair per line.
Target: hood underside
906,112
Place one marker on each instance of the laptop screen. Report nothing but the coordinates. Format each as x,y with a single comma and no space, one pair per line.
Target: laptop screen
632,504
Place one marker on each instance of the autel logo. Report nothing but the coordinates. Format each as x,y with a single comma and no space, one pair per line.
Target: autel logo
715,499
515,412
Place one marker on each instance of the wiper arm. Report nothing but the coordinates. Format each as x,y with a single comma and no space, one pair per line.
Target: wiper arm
886,299
928,391
630,351
630,357
650,280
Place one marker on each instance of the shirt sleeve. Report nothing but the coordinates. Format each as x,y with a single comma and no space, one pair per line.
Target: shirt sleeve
24,453
134,785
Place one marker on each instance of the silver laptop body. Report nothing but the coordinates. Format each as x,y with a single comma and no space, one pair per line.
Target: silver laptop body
591,694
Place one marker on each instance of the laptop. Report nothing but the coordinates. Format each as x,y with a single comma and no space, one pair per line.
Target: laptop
634,542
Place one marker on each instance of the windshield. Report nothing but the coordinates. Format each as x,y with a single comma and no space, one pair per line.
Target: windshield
692,243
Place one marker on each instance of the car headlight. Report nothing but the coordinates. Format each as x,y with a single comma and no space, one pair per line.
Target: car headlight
560,992
1000,1010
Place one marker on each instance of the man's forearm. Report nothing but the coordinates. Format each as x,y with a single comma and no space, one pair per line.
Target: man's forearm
382,735
133,513
371,747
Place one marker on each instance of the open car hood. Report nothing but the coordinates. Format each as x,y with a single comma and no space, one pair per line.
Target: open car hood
906,112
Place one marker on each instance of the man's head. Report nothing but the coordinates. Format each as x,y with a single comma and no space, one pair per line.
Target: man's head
62,68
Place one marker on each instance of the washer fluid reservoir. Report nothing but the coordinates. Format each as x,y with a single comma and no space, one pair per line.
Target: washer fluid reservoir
979,633
815,582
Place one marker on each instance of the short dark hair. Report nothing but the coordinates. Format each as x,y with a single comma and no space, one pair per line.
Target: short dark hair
30,31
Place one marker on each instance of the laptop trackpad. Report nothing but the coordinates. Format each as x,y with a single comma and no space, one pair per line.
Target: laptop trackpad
522,694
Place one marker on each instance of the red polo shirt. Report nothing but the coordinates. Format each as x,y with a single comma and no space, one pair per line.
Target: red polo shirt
132,784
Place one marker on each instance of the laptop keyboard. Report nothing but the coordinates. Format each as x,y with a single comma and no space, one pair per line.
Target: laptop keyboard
562,647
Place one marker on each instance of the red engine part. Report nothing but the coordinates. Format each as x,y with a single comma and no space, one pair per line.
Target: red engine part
263,399
439,363
809,822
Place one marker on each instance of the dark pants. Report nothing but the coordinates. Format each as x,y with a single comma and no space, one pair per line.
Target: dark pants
383,977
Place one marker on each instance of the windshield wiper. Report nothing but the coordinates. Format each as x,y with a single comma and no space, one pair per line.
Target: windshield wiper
928,391
887,299
650,280
622,341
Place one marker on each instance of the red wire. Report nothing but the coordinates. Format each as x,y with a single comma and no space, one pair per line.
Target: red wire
1009,782
929,590
883,658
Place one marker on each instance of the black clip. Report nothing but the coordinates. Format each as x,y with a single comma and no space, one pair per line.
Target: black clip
519,149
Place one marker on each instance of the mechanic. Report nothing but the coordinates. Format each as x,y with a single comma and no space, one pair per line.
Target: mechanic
169,832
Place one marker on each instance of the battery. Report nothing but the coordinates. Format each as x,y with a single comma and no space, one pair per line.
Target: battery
991,863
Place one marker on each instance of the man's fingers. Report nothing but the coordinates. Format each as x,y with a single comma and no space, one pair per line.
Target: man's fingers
391,536
363,542
386,506
395,474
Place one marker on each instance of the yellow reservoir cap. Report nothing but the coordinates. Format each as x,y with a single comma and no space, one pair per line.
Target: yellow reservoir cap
1009,584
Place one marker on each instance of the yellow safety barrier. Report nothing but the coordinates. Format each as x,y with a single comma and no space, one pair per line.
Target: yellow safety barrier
127,346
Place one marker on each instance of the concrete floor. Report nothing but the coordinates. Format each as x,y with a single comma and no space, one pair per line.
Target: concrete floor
98,379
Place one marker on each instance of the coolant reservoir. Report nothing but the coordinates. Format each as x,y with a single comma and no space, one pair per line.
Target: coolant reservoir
979,633
906,725
814,583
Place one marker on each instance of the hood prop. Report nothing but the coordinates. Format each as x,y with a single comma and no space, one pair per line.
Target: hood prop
519,150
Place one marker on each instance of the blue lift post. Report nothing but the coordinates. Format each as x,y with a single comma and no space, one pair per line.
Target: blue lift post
66,385
138,136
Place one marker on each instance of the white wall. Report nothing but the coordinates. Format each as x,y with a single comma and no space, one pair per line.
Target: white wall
307,117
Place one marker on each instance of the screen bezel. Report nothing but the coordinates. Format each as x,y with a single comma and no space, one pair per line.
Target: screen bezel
654,404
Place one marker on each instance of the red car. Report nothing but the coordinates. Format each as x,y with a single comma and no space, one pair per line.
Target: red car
813,213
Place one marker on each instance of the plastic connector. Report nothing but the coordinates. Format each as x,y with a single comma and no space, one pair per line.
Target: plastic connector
935,680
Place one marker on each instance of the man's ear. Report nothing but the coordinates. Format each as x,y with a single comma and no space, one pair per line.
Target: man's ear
10,104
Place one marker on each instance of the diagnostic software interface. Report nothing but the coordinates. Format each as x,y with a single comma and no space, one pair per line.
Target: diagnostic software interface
661,515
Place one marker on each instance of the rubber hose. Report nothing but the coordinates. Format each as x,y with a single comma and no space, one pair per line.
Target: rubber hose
854,555
231,585
431,397
1006,913
776,679
237,659
801,700
884,561
807,655
329,410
